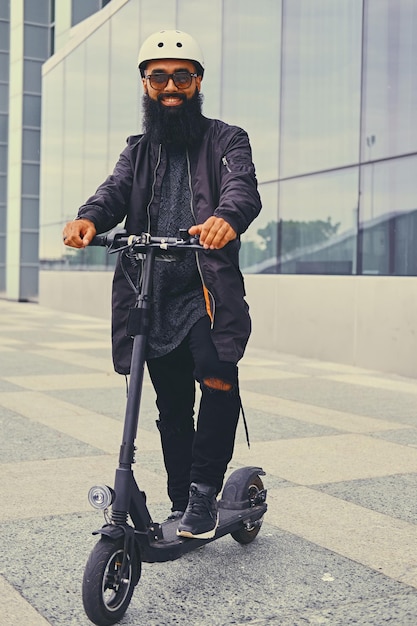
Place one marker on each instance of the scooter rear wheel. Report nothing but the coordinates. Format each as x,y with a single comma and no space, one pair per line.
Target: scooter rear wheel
106,596
249,530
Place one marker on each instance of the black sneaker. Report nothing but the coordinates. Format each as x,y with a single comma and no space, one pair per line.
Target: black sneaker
201,518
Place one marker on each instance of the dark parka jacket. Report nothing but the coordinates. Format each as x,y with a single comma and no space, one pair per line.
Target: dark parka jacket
222,181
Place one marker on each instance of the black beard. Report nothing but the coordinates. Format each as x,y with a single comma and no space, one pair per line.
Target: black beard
181,125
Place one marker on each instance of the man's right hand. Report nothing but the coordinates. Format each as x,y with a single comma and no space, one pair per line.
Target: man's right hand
79,233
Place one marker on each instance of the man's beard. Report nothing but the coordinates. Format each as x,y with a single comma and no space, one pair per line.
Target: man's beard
181,125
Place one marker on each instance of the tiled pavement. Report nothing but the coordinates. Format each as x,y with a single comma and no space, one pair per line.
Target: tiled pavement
338,443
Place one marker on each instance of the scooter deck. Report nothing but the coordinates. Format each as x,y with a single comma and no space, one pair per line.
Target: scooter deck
172,547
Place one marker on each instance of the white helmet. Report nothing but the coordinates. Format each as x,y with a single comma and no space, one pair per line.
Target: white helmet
171,44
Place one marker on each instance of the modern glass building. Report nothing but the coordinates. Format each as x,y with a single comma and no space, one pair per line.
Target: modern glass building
30,31
327,91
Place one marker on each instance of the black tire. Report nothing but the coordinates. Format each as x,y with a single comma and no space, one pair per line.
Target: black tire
105,597
249,531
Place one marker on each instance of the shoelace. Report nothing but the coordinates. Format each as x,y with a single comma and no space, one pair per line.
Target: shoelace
200,503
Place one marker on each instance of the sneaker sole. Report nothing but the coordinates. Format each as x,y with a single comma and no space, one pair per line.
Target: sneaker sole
207,535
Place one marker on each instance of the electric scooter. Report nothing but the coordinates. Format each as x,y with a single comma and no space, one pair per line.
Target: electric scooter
129,535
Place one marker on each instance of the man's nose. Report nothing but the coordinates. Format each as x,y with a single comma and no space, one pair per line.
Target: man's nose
171,86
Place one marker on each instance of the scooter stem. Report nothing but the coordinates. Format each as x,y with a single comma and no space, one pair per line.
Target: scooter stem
143,304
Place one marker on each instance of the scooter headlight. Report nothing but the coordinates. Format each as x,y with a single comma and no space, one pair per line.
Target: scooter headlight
100,496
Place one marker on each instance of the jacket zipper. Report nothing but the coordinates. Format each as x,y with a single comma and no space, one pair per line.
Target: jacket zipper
212,310
226,164
153,188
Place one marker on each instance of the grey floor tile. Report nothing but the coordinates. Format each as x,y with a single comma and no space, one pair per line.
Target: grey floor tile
24,440
14,364
265,426
378,403
391,495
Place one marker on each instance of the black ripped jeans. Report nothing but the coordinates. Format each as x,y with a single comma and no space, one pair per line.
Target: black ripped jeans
195,455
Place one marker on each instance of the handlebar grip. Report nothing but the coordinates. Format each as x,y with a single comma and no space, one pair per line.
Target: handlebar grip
99,240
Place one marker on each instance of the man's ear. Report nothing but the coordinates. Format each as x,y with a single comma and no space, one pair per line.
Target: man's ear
145,86
198,82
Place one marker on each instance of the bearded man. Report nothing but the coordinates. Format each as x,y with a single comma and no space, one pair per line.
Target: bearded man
184,172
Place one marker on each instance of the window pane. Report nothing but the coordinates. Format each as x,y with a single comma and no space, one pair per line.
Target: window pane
32,76
82,9
4,9
318,216
36,42
37,12
3,127
259,244
3,218
73,137
4,98
4,36
52,164
30,213
29,247
124,97
4,67
388,217
251,80
31,145
390,115
31,111
96,109
3,159
30,180
3,188
320,84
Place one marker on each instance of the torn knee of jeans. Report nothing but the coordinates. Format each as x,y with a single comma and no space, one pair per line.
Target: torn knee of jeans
218,384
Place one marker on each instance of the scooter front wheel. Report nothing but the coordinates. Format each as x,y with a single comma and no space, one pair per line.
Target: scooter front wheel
106,590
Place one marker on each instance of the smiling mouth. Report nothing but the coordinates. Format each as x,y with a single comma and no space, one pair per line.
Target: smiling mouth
171,99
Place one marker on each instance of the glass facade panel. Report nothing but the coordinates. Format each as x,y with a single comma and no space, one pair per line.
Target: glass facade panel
31,145
2,219
36,41
320,85
29,247
52,139
32,76
3,158
389,218
4,9
30,213
125,89
390,89
259,243
3,188
250,47
96,109
37,12
73,134
32,111
81,9
30,180
4,98
4,66
4,36
3,127
318,224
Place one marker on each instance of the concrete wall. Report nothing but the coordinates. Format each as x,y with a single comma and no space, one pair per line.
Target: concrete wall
366,321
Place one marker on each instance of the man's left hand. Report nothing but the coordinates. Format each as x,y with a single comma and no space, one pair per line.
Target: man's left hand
214,234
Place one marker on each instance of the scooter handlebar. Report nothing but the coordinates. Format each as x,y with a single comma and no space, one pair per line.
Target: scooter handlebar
118,240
